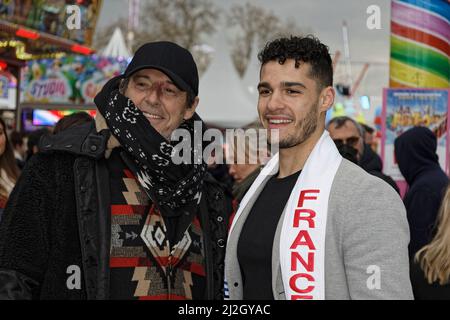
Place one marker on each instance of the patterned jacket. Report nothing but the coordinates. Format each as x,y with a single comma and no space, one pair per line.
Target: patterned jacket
58,219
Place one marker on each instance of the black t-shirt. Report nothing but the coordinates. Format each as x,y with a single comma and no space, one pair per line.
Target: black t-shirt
257,235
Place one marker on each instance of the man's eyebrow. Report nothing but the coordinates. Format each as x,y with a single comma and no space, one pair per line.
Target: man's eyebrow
264,85
148,78
136,76
293,84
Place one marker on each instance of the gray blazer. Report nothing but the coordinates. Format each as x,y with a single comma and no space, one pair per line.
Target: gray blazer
367,238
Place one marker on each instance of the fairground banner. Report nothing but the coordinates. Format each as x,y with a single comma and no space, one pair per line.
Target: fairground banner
71,79
405,108
51,16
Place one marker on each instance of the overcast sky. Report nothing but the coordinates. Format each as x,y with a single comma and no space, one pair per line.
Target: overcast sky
324,18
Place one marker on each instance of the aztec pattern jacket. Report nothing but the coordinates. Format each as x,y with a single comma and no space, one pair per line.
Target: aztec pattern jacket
58,217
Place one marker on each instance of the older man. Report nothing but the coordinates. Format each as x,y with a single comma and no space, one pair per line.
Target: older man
104,213
348,135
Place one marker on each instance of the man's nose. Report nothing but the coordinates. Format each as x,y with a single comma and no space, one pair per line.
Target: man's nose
232,170
275,102
152,95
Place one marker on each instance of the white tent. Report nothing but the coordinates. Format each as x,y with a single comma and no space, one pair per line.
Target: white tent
116,46
223,100
251,75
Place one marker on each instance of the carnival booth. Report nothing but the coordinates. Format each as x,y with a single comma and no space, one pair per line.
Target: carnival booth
36,30
418,94
53,88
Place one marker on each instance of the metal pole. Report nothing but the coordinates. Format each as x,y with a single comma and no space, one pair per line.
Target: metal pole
347,54
18,111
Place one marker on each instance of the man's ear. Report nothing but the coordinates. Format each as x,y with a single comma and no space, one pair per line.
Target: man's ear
189,112
326,99
123,84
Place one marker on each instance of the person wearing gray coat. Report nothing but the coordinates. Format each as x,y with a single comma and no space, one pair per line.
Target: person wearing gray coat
362,252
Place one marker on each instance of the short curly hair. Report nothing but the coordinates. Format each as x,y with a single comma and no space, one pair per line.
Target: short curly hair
306,49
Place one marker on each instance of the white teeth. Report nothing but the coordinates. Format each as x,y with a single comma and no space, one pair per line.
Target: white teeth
152,116
279,121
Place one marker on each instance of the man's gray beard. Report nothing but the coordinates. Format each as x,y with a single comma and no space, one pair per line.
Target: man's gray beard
307,127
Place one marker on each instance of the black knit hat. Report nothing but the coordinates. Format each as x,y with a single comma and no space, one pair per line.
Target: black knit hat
176,62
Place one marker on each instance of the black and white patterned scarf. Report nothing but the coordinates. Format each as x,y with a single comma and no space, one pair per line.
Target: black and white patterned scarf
173,187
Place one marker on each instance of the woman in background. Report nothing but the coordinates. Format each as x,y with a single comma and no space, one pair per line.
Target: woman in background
9,172
430,271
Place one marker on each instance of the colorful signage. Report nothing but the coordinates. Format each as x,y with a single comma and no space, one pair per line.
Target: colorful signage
73,20
71,79
420,50
406,108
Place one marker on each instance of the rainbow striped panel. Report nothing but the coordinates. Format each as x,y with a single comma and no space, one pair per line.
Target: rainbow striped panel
420,44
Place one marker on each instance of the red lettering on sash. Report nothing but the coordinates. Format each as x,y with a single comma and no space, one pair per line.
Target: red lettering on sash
311,214
298,297
302,197
309,266
293,284
303,238
303,234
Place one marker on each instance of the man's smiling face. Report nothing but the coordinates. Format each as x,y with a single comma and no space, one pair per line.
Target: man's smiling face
162,103
288,101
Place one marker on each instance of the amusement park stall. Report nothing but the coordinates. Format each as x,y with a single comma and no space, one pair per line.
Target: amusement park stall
35,31
419,78
53,88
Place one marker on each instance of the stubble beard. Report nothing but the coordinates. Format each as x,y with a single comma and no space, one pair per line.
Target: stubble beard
305,129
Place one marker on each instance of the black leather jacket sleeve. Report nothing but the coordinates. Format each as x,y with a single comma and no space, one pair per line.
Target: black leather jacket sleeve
16,286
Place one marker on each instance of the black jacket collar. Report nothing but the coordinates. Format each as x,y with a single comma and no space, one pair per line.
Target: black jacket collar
80,140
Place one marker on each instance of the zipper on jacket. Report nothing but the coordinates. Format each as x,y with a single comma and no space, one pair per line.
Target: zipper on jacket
207,238
169,270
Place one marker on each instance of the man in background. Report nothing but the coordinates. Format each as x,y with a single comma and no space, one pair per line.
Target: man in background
348,135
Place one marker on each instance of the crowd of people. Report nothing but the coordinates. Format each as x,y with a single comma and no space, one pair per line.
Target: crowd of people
97,209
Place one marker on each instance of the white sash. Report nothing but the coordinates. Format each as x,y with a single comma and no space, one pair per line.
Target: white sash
302,242
304,225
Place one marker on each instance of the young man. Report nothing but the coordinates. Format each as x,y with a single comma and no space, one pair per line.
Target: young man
313,225
102,212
